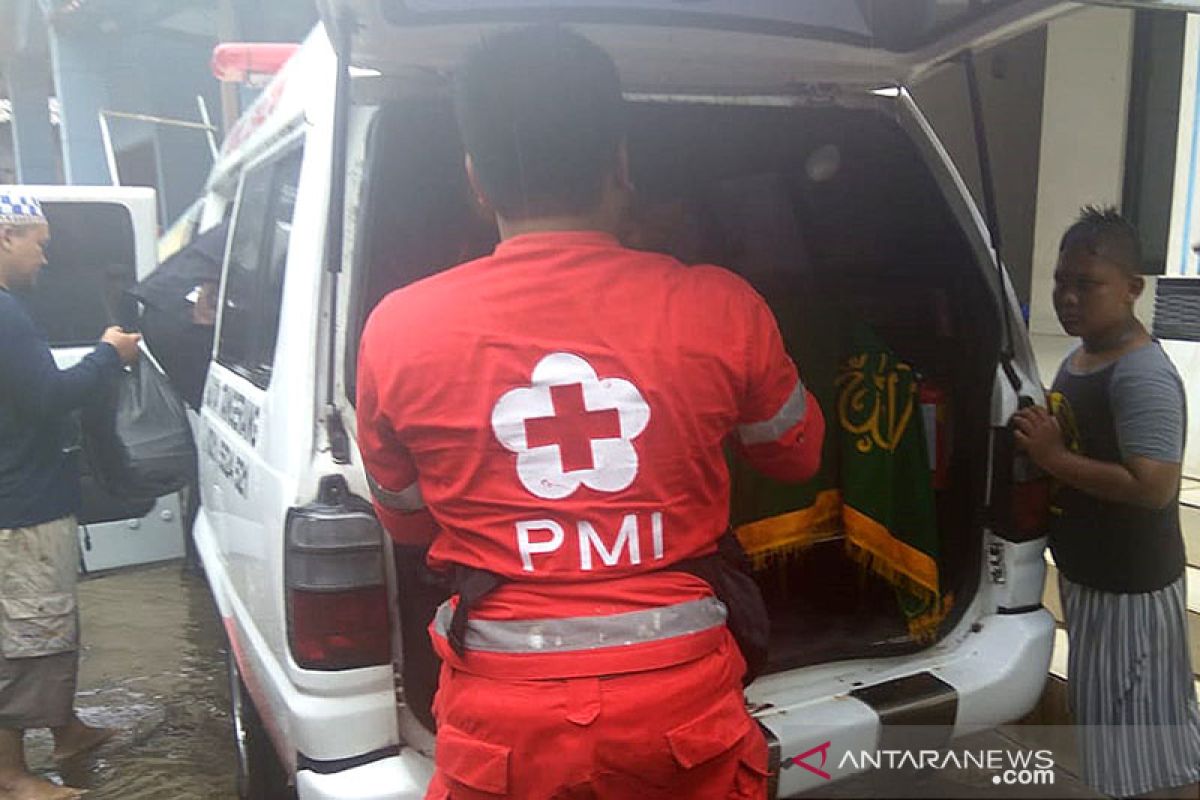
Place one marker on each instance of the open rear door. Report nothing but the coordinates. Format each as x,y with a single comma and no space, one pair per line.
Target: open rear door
745,42
102,243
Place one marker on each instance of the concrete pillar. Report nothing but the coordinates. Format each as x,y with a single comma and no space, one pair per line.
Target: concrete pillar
1084,120
33,138
79,62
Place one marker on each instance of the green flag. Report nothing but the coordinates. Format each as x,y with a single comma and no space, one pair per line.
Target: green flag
888,504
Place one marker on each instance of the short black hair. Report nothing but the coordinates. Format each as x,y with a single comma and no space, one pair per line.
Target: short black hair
541,115
1102,231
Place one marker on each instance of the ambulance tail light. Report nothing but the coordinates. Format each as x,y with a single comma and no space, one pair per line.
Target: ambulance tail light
1020,505
1031,508
336,593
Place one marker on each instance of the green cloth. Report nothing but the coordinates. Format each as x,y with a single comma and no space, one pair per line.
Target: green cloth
887,491
756,498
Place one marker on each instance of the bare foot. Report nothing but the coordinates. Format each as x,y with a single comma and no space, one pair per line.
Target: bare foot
29,787
78,738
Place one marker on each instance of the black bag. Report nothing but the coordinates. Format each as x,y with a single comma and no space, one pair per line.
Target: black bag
137,439
729,573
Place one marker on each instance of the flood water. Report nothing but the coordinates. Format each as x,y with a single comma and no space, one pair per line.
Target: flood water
153,665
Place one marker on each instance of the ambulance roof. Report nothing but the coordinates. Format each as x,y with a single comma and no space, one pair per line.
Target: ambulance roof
302,90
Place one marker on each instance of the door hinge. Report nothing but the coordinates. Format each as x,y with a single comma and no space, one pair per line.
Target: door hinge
335,431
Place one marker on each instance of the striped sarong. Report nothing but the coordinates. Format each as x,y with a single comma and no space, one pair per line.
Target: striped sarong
1131,689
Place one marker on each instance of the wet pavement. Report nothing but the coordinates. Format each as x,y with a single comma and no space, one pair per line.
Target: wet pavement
153,665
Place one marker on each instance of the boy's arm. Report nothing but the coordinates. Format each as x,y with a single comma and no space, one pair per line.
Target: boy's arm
1147,402
1139,481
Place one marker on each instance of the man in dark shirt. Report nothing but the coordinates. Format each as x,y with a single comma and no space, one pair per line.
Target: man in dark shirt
39,495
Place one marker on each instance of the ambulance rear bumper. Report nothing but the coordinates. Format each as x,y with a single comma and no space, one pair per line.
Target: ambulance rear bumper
992,675
399,777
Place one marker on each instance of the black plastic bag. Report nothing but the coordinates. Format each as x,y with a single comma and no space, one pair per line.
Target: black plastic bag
137,439
731,576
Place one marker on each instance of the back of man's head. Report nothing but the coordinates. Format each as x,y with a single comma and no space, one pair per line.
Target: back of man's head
541,115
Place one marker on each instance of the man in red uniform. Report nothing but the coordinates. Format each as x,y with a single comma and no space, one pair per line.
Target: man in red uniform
549,421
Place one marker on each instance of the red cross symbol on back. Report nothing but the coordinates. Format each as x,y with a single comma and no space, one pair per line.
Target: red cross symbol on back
572,428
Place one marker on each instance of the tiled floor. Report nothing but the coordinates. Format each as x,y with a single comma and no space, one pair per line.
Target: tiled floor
1189,493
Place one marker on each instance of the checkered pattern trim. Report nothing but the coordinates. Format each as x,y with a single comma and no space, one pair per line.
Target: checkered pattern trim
18,209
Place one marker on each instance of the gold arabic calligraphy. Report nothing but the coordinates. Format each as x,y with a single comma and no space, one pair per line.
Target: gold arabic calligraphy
876,399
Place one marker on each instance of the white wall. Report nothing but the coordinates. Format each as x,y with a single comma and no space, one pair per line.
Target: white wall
1186,357
1084,114
1011,77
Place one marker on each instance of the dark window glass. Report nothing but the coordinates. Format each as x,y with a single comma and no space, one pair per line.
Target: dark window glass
254,274
1155,86
90,263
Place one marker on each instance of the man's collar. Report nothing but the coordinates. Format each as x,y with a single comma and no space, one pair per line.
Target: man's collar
558,239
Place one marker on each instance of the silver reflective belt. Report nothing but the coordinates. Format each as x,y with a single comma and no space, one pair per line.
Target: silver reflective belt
571,634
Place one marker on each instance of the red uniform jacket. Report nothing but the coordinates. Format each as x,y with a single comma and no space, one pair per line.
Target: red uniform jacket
555,413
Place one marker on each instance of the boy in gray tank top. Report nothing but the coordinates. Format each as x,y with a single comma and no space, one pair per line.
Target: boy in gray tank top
1113,440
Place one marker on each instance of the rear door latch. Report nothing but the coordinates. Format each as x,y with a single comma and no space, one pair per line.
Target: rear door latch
995,559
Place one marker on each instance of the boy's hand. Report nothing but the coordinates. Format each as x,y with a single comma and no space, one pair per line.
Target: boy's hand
1037,433
126,344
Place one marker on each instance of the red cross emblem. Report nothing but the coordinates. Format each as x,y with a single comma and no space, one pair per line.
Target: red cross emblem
589,422
573,427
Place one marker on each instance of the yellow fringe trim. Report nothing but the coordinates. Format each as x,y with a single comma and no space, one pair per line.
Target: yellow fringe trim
871,545
924,627
787,535
900,564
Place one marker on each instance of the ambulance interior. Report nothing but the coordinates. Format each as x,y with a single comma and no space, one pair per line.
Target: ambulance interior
837,220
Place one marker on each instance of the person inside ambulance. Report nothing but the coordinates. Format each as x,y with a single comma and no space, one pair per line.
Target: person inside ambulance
549,421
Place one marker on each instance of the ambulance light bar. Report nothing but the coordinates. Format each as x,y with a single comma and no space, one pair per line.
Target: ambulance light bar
250,62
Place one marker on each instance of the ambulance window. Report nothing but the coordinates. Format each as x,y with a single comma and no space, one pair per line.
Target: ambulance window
254,272
89,267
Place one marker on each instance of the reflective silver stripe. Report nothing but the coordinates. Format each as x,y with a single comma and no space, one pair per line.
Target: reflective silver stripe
407,499
771,429
586,633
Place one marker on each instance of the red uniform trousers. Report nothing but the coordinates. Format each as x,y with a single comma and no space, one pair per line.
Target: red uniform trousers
675,733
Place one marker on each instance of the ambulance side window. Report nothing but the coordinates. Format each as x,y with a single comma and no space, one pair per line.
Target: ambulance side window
254,273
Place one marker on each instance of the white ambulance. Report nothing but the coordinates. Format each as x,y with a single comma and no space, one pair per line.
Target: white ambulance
345,182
